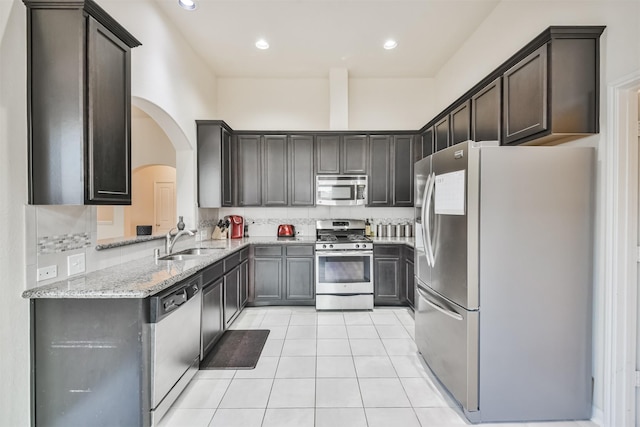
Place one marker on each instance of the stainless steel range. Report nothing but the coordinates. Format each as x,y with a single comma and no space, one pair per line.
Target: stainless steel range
344,266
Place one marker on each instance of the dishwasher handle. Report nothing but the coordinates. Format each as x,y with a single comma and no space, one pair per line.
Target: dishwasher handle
173,301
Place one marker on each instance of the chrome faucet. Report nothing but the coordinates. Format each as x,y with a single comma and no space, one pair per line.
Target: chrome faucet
171,239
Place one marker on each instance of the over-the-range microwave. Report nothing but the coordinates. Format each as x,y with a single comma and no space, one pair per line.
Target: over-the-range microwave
341,190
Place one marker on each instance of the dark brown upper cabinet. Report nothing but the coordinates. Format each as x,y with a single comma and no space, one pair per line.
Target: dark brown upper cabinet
79,104
380,189
249,148
427,142
391,170
301,167
215,164
460,120
342,154
552,94
441,135
485,112
403,170
274,170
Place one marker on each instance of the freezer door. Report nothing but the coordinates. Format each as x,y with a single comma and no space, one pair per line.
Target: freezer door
422,172
447,338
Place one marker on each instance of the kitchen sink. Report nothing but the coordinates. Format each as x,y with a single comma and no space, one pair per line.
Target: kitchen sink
190,253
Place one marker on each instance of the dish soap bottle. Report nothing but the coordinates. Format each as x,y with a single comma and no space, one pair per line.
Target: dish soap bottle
367,228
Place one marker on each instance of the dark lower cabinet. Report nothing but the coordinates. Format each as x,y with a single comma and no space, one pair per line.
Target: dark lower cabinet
231,295
212,321
282,275
409,278
388,275
244,283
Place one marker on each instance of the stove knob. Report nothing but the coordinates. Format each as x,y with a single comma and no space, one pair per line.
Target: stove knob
357,246
324,246
330,246
364,246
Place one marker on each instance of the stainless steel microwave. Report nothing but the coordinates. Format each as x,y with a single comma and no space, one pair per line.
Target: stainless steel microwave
341,190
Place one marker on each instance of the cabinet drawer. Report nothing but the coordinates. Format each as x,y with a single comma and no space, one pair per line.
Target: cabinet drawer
231,261
386,250
212,272
267,251
300,250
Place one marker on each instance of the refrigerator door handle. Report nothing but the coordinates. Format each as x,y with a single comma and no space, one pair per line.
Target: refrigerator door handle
438,307
426,213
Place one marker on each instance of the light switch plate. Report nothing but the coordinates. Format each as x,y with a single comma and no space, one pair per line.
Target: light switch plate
48,272
75,264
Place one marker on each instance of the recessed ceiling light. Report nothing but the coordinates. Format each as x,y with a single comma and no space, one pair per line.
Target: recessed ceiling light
262,44
187,4
390,44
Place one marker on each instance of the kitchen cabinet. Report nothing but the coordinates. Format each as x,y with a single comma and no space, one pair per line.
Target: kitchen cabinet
552,94
342,154
212,320
441,137
380,191
427,142
402,178
215,166
391,165
460,119
231,295
244,283
388,275
274,170
301,170
486,117
79,105
282,274
249,172
409,277
417,147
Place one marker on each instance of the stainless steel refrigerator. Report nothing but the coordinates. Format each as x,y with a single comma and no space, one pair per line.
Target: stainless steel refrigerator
504,261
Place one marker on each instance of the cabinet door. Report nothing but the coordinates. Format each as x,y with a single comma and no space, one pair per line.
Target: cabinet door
227,169
485,113
231,297
328,154
461,123
249,170
302,178
387,281
441,134
525,97
212,325
267,279
274,192
417,147
355,154
427,143
300,279
380,167
403,170
244,283
109,115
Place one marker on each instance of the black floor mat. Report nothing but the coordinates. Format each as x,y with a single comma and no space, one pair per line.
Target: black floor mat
237,349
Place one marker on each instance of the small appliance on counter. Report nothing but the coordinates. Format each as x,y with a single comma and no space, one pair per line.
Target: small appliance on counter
286,230
236,226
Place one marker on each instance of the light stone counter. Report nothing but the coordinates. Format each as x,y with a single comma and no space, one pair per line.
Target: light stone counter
409,241
146,276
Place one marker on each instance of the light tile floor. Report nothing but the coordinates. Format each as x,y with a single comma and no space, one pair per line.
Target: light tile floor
325,369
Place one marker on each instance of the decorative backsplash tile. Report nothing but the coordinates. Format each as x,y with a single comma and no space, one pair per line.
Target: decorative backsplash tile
63,243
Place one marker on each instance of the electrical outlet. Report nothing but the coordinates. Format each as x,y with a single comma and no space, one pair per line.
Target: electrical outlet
46,273
75,264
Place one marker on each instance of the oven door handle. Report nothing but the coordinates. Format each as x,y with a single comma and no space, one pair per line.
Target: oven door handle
343,253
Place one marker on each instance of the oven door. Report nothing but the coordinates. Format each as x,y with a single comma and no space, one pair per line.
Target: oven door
344,272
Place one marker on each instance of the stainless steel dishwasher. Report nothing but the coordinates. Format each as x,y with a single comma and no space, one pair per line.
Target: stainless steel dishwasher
174,332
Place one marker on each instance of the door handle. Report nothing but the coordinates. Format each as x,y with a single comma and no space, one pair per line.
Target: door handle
426,206
438,307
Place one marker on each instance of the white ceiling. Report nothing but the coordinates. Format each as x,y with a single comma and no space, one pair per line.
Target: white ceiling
308,37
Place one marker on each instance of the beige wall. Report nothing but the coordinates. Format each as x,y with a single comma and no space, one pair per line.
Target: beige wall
149,143
142,209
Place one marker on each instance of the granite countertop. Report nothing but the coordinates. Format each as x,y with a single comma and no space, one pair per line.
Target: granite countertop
147,276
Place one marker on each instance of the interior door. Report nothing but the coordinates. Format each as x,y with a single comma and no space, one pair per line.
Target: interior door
164,206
